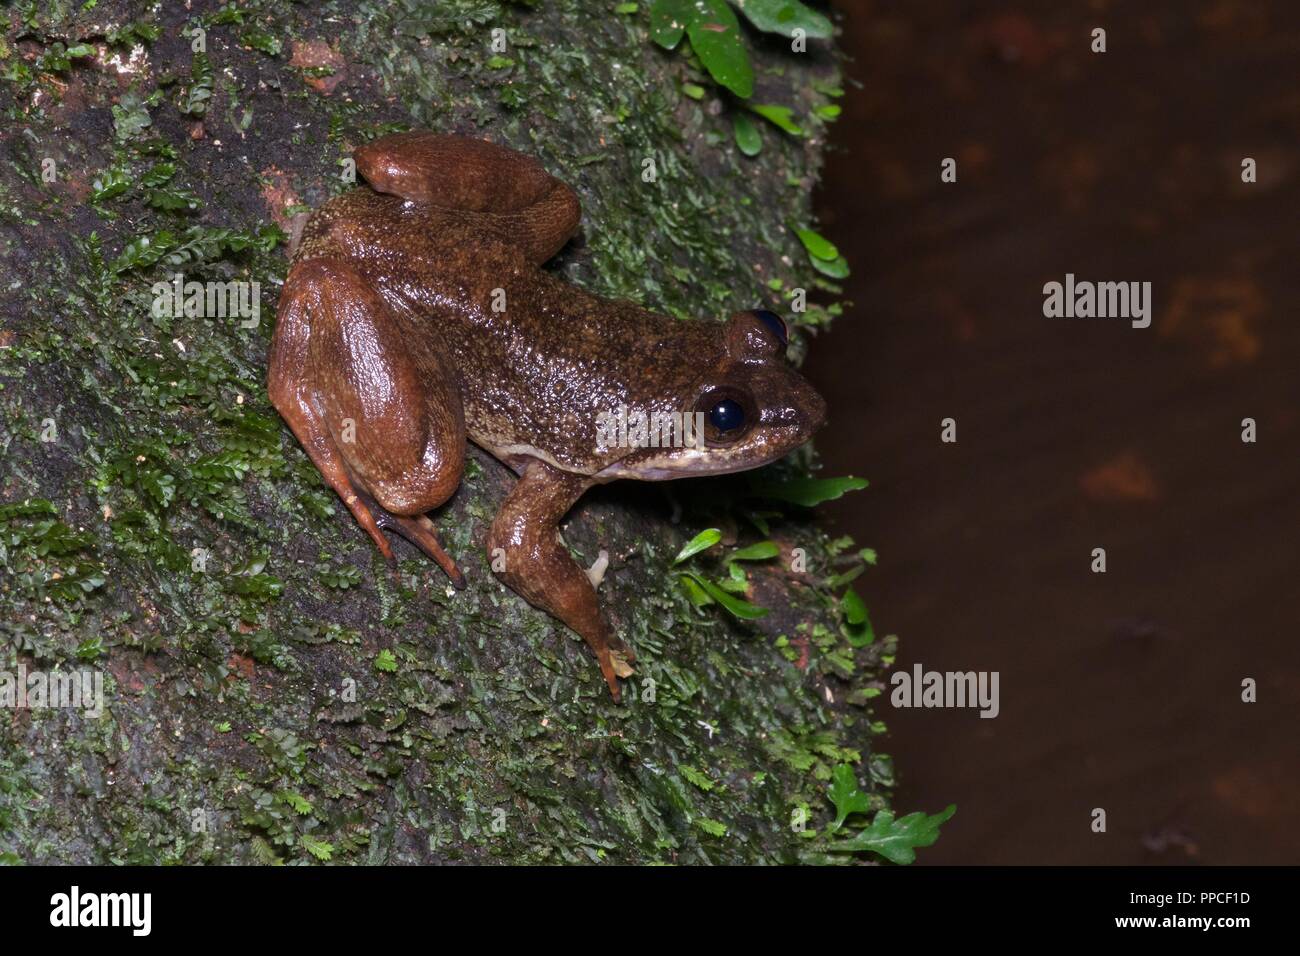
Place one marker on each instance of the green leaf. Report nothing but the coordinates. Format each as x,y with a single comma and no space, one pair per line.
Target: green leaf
736,581
818,247
194,97
668,20
694,593
171,198
158,175
784,17
738,608
855,612
340,578
160,485
318,848
748,139
857,623
386,661
261,40
808,492
697,778
714,32
264,586
110,183
701,542
300,804
761,551
143,251
781,116
846,796
130,116
838,581
715,37
711,827
896,840
129,34
834,268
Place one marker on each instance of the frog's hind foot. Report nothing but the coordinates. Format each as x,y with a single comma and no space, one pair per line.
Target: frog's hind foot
420,531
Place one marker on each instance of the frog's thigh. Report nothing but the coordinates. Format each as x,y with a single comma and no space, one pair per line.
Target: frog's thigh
292,389
392,412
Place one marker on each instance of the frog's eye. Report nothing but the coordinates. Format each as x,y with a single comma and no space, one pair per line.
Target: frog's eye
726,412
727,416
775,324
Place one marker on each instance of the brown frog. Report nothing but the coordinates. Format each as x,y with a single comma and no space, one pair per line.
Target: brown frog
416,315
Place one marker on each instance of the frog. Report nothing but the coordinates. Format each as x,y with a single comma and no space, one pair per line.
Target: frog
417,317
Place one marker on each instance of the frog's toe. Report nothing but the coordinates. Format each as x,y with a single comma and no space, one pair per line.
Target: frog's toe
622,651
610,669
420,531
621,661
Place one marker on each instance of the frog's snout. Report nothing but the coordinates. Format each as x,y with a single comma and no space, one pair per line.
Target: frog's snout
803,411
815,409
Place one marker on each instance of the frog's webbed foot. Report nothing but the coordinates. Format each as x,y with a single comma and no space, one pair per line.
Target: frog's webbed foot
540,569
385,429
493,188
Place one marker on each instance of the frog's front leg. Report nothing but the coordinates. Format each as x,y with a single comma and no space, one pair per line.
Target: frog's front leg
539,568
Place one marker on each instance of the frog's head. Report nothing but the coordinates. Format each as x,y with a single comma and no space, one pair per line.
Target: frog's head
752,404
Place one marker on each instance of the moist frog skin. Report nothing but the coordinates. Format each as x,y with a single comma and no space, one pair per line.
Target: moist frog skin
417,316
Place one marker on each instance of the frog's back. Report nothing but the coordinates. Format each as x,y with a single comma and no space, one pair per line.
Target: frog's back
536,359
536,378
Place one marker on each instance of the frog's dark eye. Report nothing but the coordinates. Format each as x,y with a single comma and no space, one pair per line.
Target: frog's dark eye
775,323
726,413
727,416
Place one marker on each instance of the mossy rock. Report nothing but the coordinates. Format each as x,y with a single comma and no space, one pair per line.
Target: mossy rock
273,693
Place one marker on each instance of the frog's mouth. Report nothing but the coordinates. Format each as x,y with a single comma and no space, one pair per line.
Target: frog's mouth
763,446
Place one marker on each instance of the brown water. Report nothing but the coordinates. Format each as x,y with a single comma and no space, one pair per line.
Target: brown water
1119,690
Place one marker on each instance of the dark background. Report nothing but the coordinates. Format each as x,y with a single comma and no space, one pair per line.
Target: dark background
1119,690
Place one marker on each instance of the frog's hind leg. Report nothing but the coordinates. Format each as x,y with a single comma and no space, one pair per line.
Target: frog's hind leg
378,417
493,189
290,390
